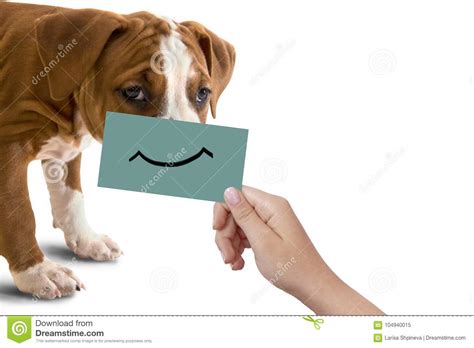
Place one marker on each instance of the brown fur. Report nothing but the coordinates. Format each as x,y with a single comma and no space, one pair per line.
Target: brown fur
110,51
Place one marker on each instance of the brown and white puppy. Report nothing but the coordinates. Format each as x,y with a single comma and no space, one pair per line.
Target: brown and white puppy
60,71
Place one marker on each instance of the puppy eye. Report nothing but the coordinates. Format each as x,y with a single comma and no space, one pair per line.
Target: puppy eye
133,93
202,96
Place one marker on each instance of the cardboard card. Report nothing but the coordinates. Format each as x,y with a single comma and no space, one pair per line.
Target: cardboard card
175,158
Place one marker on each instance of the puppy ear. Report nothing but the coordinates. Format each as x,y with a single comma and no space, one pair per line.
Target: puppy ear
220,59
69,42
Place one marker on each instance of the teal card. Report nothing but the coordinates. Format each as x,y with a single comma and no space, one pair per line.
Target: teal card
175,158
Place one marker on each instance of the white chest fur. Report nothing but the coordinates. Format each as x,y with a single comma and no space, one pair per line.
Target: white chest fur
66,149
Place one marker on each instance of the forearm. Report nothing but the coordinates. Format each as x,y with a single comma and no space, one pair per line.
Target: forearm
329,295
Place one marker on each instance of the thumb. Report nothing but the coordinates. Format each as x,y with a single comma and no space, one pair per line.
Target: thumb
246,217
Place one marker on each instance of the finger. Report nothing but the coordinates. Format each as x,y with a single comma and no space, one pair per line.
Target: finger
238,265
225,247
274,210
262,202
236,241
224,240
243,238
241,248
238,248
265,204
241,233
220,216
246,218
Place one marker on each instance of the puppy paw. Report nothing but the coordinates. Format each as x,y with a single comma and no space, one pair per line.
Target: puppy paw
96,247
47,280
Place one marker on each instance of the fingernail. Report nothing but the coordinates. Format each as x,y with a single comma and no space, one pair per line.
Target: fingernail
223,256
232,196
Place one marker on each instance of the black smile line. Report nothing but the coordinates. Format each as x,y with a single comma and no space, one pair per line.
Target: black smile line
172,164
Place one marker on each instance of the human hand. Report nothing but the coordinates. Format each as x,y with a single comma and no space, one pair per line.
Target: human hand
284,254
267,224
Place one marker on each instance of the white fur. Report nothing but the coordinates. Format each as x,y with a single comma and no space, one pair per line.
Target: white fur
69,215
67,204
178,106
58,148
47,280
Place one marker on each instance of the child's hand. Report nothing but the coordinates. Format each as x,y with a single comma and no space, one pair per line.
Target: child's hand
283,251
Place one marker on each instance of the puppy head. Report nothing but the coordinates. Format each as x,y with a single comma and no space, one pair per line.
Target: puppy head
137,64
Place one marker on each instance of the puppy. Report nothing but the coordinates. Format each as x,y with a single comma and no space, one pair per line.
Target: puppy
60,71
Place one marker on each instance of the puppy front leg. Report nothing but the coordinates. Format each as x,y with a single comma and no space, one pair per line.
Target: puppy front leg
67,203
31,271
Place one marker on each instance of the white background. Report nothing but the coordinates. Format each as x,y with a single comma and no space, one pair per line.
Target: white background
360,113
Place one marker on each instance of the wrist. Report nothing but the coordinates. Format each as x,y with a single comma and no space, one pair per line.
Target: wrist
315,278
319,289
330,295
